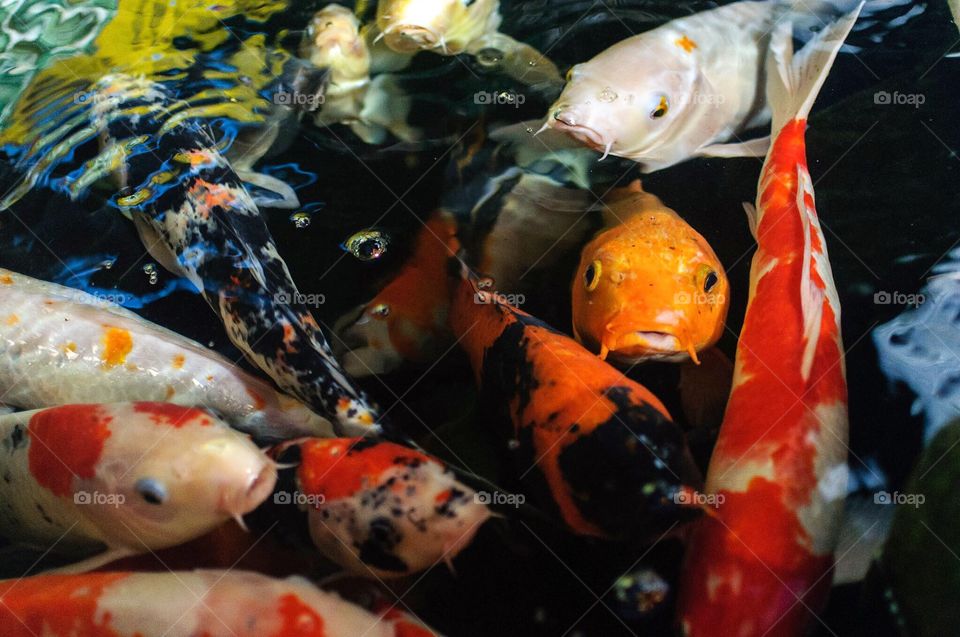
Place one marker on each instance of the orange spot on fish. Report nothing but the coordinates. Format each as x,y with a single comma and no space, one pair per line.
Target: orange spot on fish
70,347
66,442
117,343
13,319
178,361
258,401
686,44
57,605
6,279
298,619
174,415
170,392
334,469
289,337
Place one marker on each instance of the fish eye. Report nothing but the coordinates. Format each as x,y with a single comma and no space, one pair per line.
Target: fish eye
367,245
591,276
569,74
381,310
710,281
152,491
661,108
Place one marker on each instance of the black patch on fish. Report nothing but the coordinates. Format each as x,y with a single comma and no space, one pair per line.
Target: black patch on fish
17,437
368,442
43,514
377,549
609,468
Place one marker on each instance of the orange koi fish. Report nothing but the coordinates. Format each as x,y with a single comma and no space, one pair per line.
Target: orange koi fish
597,445
127,477
377,508
212,603
760,564
407,320
649,288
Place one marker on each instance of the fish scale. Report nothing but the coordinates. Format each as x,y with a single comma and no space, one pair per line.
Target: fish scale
155,123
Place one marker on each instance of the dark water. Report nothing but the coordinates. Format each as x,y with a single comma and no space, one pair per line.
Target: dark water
886,178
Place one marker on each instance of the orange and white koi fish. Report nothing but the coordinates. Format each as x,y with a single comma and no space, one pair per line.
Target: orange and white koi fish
407,320
124,477
760,564
59,346
650,287
598,446
212,603
377,508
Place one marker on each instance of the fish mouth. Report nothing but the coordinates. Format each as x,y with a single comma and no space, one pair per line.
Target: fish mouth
643,345
409,38
259,487
587,136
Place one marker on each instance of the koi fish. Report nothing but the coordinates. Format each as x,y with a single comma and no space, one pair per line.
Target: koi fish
760,563
697,83
131,477
650,287
370,107
407,320
452,27
165,117
215,603
60,346
382,509
598,445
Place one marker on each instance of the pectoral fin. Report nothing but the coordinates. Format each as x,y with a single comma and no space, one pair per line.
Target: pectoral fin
279,194
750,148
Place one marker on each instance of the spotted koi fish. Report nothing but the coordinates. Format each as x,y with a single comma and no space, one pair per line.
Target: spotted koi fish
127,477
760,563
60,346
185,604
601,447
377,508
179,123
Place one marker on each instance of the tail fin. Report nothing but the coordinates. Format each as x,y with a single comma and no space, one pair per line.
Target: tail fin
794,82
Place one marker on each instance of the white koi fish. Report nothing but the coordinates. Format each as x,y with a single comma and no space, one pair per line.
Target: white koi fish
59,345
693,85
124,477
185,604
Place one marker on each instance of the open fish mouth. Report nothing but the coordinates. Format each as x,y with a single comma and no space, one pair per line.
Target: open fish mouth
648,344
407,38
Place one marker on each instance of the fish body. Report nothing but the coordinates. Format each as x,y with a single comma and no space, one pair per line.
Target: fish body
213,603
650,287
130,477
407,320
60,346
692,85
452,27
380,509
760,564
599,446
